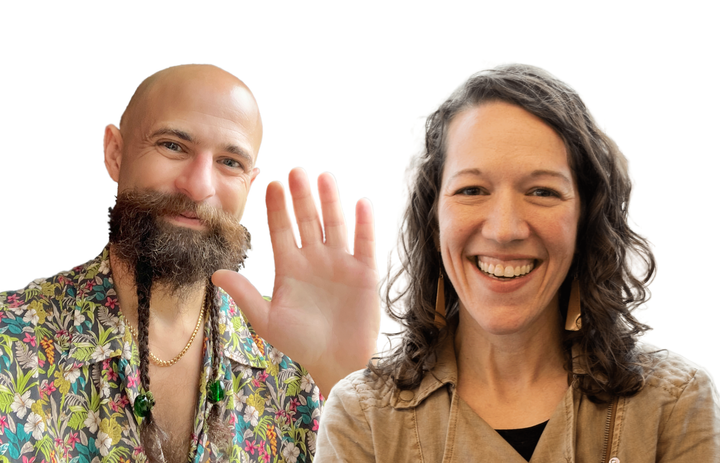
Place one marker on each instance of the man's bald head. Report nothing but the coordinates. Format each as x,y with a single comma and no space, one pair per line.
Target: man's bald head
194,130
187,79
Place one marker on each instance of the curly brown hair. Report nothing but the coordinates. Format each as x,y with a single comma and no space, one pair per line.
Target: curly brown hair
606,263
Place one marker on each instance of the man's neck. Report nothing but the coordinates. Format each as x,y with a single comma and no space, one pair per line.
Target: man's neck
168,309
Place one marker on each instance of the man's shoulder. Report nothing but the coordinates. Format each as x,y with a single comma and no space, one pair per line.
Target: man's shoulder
53,290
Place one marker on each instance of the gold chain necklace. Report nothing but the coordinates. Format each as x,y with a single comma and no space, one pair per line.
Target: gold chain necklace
168,363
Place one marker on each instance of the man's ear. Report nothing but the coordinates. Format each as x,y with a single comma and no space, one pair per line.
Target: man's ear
254,174
113,144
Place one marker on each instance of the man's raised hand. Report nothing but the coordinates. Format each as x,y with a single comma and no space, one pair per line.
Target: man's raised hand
324,311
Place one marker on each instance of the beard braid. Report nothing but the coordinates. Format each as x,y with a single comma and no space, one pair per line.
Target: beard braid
177,258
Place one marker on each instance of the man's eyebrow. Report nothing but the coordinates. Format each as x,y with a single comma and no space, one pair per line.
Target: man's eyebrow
168,131
239,151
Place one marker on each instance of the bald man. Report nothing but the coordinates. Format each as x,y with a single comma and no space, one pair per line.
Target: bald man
138,355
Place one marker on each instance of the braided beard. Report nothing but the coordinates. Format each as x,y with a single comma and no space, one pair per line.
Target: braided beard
174,257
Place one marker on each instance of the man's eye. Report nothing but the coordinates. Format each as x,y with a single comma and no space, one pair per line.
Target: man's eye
231,163
172,146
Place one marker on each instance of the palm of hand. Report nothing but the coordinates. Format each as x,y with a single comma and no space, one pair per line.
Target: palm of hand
325,309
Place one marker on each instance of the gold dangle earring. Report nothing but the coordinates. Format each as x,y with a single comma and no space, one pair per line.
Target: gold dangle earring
440,303
573,322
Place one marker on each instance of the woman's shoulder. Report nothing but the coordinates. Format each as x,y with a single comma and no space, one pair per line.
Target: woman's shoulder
671,373
370,389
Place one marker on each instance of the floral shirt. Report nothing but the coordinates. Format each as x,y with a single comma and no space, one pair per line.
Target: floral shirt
69,379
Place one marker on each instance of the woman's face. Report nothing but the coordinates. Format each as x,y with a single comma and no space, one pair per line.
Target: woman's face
508,213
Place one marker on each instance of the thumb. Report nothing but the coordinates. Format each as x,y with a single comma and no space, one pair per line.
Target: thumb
247,298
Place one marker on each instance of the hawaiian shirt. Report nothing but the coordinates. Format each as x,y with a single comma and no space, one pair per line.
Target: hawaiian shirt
69,376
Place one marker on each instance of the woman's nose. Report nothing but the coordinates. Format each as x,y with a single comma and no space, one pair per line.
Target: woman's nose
505,221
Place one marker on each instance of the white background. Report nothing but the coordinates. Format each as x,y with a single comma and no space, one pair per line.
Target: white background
346,89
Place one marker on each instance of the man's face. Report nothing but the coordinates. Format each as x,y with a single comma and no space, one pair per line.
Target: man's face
196,132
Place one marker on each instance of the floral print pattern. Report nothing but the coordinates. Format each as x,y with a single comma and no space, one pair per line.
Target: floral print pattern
69,379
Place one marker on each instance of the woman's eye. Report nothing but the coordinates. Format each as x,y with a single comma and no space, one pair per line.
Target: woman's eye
544,193
469,191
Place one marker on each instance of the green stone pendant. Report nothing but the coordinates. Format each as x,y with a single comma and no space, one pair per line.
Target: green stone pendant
143,404
215,392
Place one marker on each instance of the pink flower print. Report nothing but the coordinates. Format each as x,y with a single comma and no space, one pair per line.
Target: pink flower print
119,402
250,446
3,424
132,379
316,425
109,370
111,302
137,451
30,339
28,460
14,301
263,454
73,439
47,388
294,404
263,376
233,419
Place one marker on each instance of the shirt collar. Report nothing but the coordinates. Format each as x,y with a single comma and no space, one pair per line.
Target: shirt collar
99,331
241,342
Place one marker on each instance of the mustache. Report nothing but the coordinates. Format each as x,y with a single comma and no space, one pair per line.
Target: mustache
152,203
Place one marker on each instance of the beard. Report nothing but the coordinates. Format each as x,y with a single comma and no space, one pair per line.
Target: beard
172,256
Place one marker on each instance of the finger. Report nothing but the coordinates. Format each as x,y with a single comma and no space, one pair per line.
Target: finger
333,220
247,298
306,213
281,232
364,233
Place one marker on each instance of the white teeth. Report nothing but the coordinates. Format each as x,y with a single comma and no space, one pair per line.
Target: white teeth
509,271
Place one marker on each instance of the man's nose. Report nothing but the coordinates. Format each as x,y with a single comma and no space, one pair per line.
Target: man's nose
505,221
196,180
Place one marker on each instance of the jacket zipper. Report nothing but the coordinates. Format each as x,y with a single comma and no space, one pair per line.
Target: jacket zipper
609,430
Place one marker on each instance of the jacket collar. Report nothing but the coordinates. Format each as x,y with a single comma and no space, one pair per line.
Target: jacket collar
98,331
443,373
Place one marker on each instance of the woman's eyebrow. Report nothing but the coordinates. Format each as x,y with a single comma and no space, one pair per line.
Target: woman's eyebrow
551,173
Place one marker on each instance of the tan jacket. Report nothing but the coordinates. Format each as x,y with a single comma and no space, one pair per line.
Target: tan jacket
675,418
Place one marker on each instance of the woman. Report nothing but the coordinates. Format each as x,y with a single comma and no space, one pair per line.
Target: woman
517,224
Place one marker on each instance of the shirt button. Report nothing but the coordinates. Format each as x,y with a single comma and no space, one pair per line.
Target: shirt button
406,396
614,460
